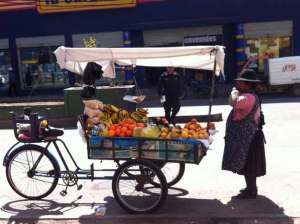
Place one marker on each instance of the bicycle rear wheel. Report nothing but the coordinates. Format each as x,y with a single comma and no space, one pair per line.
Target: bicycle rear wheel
28,182
133,190
172,171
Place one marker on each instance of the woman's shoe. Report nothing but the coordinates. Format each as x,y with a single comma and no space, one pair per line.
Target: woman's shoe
246,195
244,190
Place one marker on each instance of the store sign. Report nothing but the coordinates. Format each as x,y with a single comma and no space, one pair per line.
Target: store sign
50,6
202,39
290,67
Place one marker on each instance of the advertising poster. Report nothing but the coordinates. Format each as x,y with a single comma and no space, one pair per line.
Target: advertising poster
17,5
269,48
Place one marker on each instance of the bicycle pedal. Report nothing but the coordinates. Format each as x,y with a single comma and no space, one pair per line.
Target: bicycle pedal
63,193
79,187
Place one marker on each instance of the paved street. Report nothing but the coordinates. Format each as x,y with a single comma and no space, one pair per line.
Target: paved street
204,192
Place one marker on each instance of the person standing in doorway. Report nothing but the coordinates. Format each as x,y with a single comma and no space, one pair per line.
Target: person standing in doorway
129,75
244,151
12,89
170,89
28,77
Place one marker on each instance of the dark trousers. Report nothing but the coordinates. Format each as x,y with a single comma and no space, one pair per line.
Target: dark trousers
171,109
12,90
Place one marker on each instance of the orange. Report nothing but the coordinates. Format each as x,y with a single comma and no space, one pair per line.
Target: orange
185,134
111,133
193,126
117,131
163,134
128,133
165,129
132,126
124,129
140,125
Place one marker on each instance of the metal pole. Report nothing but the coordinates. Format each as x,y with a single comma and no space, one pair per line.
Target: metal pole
212,90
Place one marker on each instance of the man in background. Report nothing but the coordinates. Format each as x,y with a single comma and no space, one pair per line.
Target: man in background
12,79
170,89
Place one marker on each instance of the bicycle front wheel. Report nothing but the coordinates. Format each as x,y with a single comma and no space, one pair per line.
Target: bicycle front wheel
32,172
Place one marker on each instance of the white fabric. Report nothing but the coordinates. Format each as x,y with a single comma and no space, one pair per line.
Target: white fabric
194,57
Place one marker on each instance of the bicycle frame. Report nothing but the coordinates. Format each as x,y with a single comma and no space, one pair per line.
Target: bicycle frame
81,173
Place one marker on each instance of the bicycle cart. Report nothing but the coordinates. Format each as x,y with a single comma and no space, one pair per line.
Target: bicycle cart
33,172
139,184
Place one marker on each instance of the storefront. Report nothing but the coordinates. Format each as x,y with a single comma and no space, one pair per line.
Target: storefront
37,63
268,40
5,62
183,36
272,33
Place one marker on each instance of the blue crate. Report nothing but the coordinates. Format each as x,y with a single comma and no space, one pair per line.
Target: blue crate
111,148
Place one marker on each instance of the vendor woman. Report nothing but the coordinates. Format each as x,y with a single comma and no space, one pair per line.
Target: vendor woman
244,151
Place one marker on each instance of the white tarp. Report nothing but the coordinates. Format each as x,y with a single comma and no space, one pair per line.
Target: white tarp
193,57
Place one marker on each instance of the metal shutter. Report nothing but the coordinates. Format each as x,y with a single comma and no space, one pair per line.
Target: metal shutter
168,36
268,29
105,39
4,44
40,41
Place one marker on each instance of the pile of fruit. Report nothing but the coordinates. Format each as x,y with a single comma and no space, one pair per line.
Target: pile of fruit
124,128
192,129
116,122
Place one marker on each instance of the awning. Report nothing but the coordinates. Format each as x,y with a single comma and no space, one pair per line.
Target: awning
192,57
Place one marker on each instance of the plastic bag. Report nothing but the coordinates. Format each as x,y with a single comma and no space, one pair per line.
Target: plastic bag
93,104
91,113
134,99
81,132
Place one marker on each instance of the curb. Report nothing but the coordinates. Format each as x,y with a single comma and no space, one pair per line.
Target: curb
142,219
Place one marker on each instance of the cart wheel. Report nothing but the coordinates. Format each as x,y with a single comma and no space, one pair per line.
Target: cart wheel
133,190
172,171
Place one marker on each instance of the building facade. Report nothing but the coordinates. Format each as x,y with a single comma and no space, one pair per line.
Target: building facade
248,29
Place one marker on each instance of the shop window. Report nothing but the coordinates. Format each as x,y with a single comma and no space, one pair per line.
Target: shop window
5,63
263,48
39,68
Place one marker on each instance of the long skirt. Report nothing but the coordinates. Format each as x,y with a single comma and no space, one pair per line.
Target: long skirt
256,159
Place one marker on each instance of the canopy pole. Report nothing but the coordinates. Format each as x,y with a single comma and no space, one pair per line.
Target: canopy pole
212,90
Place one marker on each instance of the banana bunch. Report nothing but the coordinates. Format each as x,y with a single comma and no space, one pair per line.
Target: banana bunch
110,109
140,116
142,111
106,119
123,114
113,115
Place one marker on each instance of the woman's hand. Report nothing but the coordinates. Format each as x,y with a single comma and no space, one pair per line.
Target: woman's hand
234,95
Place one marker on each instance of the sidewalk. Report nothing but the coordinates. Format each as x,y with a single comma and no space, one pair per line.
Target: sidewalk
204,195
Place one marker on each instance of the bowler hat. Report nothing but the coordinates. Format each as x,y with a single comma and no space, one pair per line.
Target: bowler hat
247,75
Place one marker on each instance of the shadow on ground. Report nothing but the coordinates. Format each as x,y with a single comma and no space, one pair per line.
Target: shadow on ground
176,210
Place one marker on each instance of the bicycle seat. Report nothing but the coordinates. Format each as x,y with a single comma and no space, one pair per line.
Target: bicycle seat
53,133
